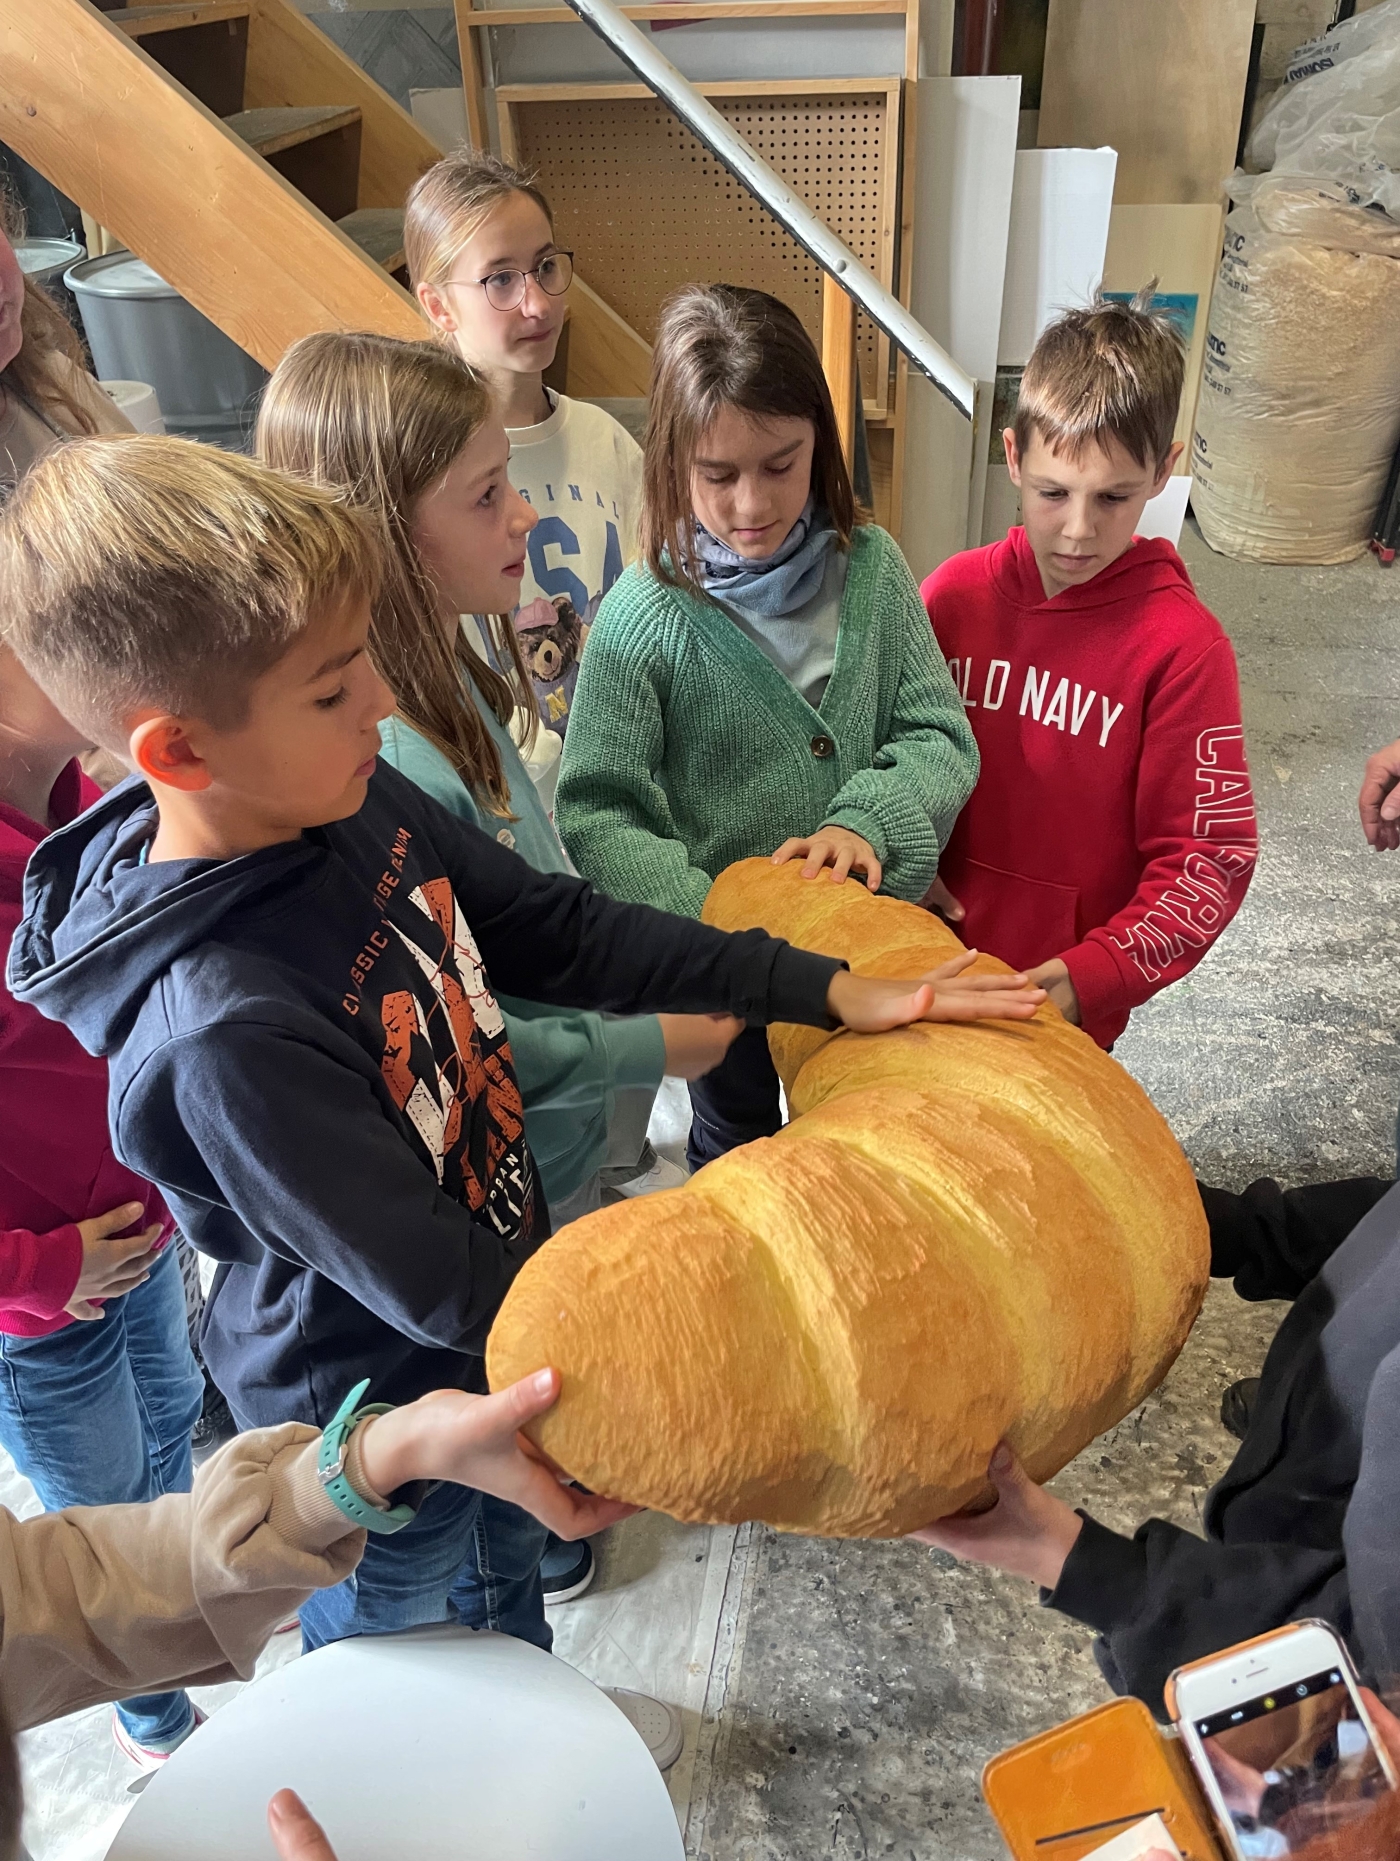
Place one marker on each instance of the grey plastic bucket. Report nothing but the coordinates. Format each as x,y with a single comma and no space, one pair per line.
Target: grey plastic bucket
139,328
45,261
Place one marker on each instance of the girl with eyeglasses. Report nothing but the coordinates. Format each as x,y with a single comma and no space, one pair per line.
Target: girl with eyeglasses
480,247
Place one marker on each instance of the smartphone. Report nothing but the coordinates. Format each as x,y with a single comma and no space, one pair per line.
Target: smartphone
1280,1739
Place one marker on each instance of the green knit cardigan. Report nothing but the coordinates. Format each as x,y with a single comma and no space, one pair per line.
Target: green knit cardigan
688,749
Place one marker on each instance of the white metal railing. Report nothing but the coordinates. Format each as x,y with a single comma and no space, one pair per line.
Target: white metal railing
639,54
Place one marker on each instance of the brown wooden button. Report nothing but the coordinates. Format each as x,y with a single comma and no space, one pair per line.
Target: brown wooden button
822,747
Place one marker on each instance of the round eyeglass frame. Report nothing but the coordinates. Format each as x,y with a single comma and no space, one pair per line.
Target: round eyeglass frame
522,278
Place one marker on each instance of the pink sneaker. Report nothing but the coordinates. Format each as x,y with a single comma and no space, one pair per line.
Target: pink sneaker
148,1757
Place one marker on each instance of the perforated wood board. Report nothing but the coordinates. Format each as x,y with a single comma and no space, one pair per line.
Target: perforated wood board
648,209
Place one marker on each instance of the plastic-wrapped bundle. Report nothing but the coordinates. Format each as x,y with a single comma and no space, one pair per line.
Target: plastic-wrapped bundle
1299,412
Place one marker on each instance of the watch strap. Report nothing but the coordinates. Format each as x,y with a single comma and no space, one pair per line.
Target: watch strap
330,1467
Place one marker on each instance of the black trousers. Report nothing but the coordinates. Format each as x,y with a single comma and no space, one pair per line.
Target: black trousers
735,1103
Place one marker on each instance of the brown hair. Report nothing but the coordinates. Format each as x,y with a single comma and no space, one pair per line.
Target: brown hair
44,333
722,345
153,571
451,201
1113,371
382,420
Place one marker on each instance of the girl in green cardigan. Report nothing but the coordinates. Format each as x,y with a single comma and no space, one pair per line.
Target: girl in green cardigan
765,680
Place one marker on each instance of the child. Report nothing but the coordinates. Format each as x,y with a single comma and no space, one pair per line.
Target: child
282,946
408,429
765,672
193,1588
98,1389
479,242
1303,1521
1111,837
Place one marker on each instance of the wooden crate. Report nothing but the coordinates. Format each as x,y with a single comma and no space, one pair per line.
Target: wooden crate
650,209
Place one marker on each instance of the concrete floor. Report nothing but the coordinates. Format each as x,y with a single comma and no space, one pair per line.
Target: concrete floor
872,1682
841,1698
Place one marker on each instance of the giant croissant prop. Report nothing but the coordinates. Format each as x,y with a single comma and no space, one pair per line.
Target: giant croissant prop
966,1232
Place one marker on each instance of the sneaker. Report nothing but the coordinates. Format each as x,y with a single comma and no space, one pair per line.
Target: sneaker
214,1427
662,1175
566,1570
659,1726
1238,1404
150,1757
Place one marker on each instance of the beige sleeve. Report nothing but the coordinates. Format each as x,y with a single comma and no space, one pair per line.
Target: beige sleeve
100,1602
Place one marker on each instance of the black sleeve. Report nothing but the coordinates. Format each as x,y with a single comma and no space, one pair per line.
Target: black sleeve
552,938
1272,1241
298,1147
1165,1596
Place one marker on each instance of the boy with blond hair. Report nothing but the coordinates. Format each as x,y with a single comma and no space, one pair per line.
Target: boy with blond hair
281,945
1111,836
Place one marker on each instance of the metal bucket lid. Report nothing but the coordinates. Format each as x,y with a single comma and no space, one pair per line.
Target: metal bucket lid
118,274
39,258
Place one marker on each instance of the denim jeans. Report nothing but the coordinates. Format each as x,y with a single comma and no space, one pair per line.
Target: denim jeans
99,1414
466,1558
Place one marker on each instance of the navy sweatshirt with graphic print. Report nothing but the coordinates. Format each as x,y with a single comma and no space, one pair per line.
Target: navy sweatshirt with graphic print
306,1055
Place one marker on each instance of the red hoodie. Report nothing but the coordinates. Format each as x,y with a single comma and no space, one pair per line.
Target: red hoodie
56,1162
1113,822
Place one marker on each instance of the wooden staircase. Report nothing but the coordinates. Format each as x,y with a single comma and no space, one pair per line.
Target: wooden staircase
236,149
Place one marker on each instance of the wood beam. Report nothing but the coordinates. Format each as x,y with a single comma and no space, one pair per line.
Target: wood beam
839,363
138,153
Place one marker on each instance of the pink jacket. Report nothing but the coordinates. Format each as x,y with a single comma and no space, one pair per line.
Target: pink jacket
56,1161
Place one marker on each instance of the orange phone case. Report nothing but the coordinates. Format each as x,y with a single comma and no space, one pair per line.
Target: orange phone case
1061,1795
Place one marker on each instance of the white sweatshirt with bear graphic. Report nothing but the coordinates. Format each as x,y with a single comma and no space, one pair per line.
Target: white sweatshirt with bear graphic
583,473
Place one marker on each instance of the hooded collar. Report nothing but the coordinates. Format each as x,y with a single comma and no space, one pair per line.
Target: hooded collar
101,926
1148,566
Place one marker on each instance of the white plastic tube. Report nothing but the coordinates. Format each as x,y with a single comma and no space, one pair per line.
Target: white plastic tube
640,55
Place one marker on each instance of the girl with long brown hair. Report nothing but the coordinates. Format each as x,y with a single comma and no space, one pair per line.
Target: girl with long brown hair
408,429
766,674
46,393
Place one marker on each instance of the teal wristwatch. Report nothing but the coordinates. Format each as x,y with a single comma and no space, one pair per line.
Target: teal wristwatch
330,1467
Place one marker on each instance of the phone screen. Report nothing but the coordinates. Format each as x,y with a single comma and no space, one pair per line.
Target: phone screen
1293,1764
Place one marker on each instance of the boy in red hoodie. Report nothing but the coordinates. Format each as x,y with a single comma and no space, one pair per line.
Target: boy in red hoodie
99,1389
1111,836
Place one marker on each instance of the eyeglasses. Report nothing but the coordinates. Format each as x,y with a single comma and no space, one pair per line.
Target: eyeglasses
505,290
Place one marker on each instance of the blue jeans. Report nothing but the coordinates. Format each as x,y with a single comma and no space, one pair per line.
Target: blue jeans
100,1414
466,1558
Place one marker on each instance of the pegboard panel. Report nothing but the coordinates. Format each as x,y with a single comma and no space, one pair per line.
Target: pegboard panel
648,209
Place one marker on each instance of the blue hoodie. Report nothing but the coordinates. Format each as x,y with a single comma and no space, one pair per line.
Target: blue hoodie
306,1055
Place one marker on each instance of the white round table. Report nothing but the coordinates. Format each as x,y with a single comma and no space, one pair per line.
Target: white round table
442,1744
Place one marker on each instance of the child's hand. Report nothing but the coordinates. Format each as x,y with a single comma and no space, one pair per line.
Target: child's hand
836,847
695,1044
111,1267
1053,977
872,1005
1379,799
940,900
296,1834
475,1441
1027,1533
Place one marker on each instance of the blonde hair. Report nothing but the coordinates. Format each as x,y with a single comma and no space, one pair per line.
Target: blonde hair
44,333
1113,371
724,345
382,420
451,202
152,571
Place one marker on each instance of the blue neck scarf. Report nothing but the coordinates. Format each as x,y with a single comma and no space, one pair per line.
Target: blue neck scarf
771,585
